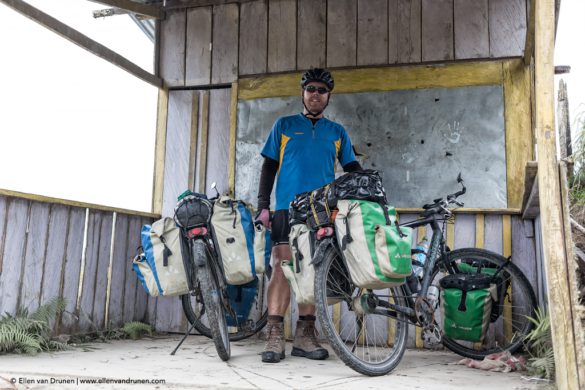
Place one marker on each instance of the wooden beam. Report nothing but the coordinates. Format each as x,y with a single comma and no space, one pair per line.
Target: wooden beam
136,8
553,237
233,136
160,150
81,40
173,4
529,43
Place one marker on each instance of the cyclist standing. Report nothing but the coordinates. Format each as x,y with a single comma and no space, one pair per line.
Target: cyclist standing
302,151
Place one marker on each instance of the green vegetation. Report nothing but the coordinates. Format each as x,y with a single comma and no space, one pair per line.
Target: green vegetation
31,333
539,345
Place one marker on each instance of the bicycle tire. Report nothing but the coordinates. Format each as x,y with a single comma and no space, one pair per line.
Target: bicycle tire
194,310
212,300
507,332
332,281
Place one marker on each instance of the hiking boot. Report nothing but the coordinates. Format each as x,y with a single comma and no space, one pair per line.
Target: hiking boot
306,344
274,348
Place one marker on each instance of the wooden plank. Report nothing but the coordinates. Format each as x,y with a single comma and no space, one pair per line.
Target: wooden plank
517,117
131,282
176,174
450,233
437,30
172,48
81,40
204,133
119,269
253,37
18,214
224,56
524,250
134,7
311,34
573,278
72,267
507,26
198,47
101,275
529,42
233,135
341,33
160,150
55,254
193,139
472,39
89,271
493,233
530,171
282,35
372,32
465,231
507,252
34,256
66,202
409,31
218,139
3,223
164,310
393,31
381,79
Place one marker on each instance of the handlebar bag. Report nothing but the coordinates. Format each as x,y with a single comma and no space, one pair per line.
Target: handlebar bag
160,268
243,247
298,209
466,305
363,185
377,255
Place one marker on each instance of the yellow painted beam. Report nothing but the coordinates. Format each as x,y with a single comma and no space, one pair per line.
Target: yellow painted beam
507,252
479,231
337,316
518,124
380,79
160,150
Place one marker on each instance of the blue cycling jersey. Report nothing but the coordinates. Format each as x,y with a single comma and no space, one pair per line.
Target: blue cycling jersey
306,154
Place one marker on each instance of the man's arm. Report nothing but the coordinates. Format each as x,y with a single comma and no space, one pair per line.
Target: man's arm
267,176
352,166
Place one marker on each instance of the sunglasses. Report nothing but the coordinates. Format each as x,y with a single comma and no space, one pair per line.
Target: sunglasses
313,89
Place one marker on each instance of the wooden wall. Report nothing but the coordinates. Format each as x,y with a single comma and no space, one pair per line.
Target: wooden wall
216,45
50,249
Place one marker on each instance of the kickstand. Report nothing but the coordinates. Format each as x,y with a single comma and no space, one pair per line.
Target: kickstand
183,339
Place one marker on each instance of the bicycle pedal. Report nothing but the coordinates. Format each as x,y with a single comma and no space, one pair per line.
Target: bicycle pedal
432,336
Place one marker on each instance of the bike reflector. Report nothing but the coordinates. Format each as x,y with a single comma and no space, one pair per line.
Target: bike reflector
324,232
196,232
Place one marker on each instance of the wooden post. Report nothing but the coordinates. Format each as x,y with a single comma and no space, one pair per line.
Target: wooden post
160,150
564,127
550,199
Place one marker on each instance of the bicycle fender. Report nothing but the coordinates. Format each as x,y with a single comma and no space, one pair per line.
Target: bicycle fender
320,250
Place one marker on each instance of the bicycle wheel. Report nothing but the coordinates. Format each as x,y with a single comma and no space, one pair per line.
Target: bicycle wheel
212,299
194,310
370,343
509,321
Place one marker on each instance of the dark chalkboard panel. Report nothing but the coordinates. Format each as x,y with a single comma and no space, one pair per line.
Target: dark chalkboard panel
419,139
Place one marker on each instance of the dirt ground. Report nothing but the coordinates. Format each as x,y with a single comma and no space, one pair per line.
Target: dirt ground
123,364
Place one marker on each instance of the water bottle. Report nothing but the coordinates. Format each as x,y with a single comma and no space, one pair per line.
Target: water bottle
423,246
433,297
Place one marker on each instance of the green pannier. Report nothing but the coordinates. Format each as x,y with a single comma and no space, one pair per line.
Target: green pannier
466,305
479,266
376,250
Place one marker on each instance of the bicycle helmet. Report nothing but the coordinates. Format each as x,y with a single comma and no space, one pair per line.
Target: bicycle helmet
320,75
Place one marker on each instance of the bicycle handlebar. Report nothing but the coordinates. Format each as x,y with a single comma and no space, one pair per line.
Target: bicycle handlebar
440,205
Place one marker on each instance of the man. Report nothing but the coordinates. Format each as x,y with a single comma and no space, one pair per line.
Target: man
303,150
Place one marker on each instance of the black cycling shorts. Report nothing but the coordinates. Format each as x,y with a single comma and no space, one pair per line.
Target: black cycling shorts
280,228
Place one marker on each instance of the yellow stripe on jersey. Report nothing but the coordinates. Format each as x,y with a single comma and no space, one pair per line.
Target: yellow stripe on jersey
283,141
337,147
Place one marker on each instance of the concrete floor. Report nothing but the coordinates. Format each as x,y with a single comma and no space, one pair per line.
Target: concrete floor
196,366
